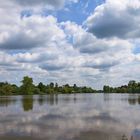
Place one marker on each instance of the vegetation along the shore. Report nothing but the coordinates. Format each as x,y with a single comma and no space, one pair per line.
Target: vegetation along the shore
29,88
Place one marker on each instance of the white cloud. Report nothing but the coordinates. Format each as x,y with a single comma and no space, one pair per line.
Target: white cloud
39,4
119,18
65,52
32,32
102,54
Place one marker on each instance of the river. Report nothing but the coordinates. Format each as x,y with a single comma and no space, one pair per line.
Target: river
70,117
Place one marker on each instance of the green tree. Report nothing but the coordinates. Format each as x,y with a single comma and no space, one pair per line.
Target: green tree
66,89
56,88
51,85
42,87
106,89
6,89
27,87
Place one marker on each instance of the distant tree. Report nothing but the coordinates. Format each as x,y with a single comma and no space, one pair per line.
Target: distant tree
15,89
51,85
67,89
75,88
42,87
106,89
132,83
87,90
6,89
56,88
132,87
27,87
50,90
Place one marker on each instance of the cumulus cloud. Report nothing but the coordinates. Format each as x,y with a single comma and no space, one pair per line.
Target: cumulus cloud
115,19
31,32
34,57
36,2
99,53
52,67
48,4
66,52
19,41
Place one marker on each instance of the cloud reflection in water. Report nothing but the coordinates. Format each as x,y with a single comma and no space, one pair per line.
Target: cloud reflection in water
69,117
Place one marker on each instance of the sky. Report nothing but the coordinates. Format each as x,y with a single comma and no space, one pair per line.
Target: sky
87,42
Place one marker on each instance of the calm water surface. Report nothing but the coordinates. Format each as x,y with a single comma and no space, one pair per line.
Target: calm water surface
70,117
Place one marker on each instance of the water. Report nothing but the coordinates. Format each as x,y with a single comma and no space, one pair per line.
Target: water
70,117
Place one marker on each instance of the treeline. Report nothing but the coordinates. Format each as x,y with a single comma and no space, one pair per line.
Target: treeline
28,88
132,87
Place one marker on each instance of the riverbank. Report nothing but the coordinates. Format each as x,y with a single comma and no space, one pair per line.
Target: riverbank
27,87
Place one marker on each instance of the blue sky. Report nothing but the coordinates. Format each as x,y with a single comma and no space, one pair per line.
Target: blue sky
87,42
75,12
78,12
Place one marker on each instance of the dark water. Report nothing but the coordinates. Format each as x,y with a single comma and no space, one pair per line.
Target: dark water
70,117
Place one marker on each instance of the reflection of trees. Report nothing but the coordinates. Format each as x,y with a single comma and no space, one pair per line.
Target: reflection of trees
27,103
49,99
106,97
139,100
75,98
125,138
52,99
133,101
41,99
6,101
